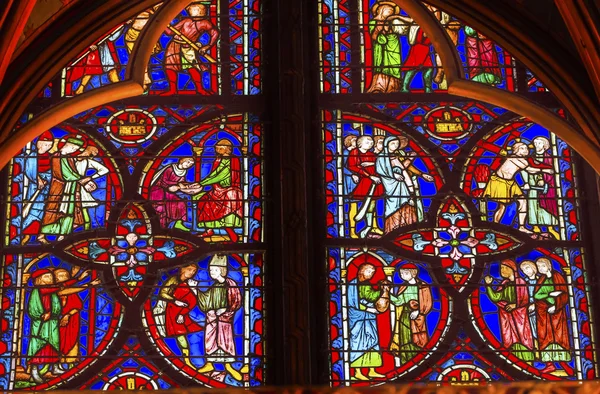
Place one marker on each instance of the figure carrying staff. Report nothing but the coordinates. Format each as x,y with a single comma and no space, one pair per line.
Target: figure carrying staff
183,52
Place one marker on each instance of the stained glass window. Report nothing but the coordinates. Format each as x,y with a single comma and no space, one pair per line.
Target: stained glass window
132,249
139,236
454,245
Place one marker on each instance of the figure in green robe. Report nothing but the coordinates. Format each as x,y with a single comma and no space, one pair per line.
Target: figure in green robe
413,302
44,310
387,58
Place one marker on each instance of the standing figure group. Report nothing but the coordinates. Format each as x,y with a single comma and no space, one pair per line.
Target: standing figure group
412,300
540,206
56,196
385,30
532,310
392,73
380,169
53,310
180,295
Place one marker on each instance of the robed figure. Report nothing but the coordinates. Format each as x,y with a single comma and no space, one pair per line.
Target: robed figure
72,305
362,316
64,211
35,178
542,204
512,299
413,302
482,58
400,207
387,53
165,188
44,310
551,295
222,206
220,303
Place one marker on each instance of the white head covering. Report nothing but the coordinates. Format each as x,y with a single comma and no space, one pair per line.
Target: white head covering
218,260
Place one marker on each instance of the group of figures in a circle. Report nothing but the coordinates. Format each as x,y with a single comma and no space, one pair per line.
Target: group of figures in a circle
388,181
203,318
398,316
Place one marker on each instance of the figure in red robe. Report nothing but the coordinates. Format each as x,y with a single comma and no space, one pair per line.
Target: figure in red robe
180,56
178,295
512,299
163,191
70,323
361,162
551,299
220,208
482,58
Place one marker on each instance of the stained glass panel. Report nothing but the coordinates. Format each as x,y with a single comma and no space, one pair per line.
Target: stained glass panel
57,168
132,252
376,334
358,150
538,177
384,50
57,319
454,239
120,194
206,319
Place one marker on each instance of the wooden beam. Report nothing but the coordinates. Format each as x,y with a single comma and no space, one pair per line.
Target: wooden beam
12,22
584,26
